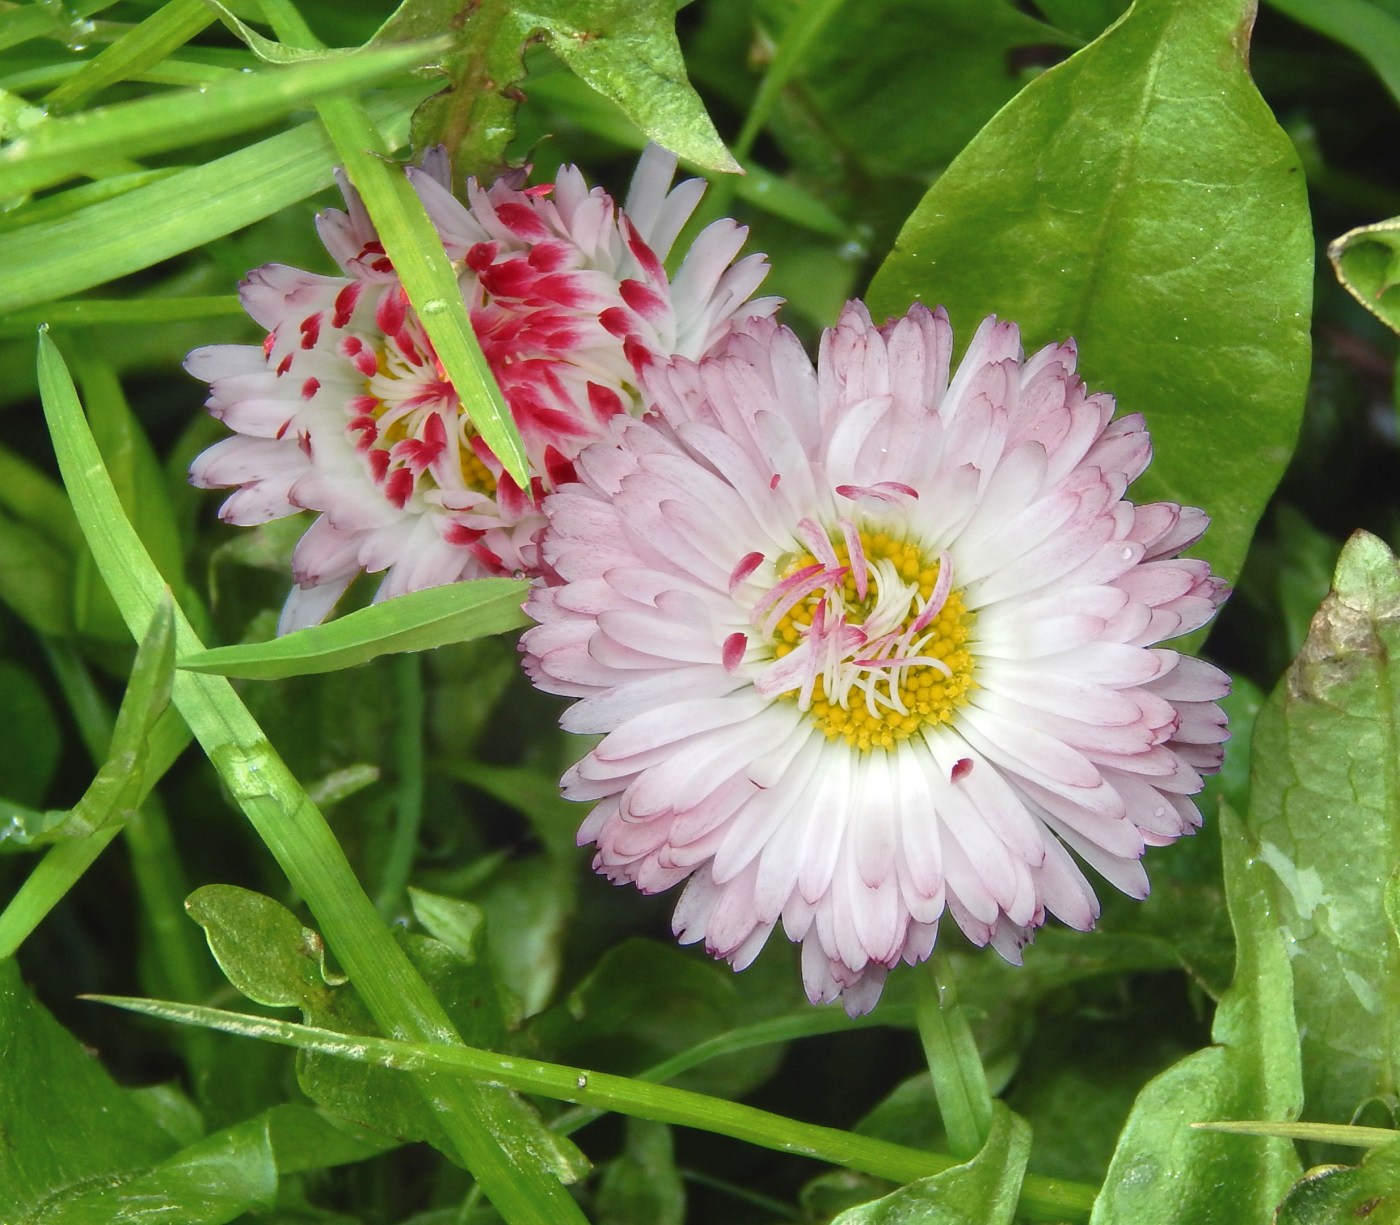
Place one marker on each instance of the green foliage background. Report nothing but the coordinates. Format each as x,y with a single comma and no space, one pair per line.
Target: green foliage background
364,973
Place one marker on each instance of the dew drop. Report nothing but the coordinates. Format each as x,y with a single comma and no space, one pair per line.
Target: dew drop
582,1082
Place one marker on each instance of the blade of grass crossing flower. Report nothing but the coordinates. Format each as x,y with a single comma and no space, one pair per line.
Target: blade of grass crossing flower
413,245
416,621
498,1154
1041,1198
104,241
65,147
168,28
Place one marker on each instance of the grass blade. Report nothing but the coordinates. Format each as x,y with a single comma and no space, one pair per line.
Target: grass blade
479,1123
165,30
65,147
109,240
417,621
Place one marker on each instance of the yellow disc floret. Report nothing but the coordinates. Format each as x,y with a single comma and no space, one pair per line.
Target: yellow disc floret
898,676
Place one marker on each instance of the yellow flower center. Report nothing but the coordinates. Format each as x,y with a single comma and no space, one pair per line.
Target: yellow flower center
883,668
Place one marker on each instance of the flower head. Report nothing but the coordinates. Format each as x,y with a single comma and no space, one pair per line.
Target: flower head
866,644
346,410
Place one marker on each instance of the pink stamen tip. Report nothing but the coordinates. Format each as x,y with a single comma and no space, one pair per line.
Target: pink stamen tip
773,484
733,651
885,491
816,540
941,589
747,565
961,769
859,569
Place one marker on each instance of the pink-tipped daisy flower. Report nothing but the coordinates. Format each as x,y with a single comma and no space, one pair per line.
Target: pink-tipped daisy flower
865,644
345,409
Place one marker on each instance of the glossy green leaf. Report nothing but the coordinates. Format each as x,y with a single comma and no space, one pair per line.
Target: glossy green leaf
625,49
417,621
1367,261
903,85
1141,198
113,238
132,312
1331,1194
1169,1173
528,904
65,1121
262,949
63,147
982,1192
642,1187
212,1182
1325,814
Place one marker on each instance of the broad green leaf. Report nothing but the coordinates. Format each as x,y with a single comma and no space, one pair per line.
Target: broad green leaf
262,949
108,240
1166,1172
483,1125
528,905
1141,198
982,1192
212,1182
642,1187
417,621
455,923
65,1121
63,147
30,745
1330,1194
1325,816
1367,262
1367,28
625,49
903,85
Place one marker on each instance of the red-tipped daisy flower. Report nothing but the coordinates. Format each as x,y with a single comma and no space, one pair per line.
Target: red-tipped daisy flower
345,409
866,645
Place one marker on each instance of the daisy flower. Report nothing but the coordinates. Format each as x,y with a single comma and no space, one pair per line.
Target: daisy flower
865,644
344,409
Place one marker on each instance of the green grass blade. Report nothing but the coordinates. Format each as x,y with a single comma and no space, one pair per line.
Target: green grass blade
479,1123
413,245
165,30
1320,1133
1042,1198
109,240
417,621
136,312
63,203
65,147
